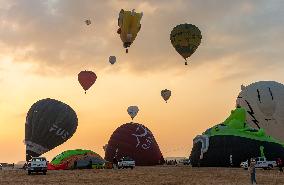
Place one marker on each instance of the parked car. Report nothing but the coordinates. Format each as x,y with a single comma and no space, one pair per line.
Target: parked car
126,162
261,162
37,164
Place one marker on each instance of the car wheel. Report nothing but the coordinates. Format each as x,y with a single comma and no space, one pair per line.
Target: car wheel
44,173
270,167
29,172
131,167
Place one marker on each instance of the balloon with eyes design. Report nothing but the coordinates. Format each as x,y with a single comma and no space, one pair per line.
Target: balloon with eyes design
264,103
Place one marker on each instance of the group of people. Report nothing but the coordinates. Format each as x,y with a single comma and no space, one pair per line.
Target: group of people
171,162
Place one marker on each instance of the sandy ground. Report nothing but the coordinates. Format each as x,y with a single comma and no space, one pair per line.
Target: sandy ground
166,175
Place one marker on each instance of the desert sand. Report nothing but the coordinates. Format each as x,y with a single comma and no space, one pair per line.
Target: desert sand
166,175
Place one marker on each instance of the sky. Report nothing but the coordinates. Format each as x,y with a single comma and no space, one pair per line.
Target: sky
44,44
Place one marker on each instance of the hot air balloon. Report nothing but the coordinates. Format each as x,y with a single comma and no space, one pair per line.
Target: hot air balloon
132,111
112,59
129,26
88,22
135,141
87,79
166,94
49,123
264,103
82,158
233,141
185,38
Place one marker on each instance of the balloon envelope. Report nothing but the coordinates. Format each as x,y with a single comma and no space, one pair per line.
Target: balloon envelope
129,26
49,123
135,141
232,142
112,59
81,157
185,38
87,79
166,94
264,103
88,22
132,111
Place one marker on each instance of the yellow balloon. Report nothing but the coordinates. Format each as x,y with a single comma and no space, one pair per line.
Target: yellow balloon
129,26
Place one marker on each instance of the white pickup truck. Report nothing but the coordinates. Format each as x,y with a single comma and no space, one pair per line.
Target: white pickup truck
261,162
126,162
37,164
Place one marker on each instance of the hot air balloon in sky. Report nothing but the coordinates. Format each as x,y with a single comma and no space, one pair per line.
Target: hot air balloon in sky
264,103
129,26
185,38
166,94
49,123
112,59
87,79
132,111
88,22
135,141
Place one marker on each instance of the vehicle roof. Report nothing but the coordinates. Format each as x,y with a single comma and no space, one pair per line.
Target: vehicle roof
38,158
127,158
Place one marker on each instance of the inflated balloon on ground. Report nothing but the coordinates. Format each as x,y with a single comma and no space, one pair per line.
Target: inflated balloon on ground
49,123
76,159
135,141
233,139
264,104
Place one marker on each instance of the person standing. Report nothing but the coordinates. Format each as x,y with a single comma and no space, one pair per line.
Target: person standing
280,164
252,171
114,161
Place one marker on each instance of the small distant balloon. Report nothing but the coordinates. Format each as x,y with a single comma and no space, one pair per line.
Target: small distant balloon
88,22
112,59
132,111
87,79
166,94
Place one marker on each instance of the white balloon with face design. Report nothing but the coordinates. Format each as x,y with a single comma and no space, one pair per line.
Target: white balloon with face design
264,103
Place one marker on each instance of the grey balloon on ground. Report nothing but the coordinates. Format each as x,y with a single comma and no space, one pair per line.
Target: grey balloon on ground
49,123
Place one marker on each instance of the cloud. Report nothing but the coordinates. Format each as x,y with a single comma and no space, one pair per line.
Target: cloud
52,34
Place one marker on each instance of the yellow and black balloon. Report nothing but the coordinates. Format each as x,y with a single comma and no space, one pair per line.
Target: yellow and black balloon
129,26
185,38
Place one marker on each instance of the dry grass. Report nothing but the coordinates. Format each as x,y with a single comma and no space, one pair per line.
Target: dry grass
165,175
